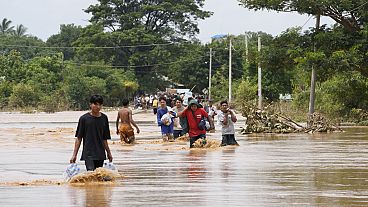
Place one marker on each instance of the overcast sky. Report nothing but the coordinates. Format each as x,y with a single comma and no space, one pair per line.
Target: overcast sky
43,17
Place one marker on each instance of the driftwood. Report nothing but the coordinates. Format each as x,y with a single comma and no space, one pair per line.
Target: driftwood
318,123
268,121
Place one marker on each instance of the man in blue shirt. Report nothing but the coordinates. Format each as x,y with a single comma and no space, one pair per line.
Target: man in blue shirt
165,119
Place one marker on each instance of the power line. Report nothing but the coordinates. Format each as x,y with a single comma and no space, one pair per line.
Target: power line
307,21
133,66
85,47
358,7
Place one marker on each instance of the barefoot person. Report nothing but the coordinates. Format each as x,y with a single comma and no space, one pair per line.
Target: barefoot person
93,130
125,129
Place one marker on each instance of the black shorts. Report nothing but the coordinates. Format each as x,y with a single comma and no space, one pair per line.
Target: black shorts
178,133
228,139
193,139
91,165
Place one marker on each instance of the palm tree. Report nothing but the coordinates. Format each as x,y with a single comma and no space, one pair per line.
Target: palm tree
20,31
5,27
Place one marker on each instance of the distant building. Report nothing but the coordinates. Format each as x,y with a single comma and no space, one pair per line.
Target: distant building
285,97
218,37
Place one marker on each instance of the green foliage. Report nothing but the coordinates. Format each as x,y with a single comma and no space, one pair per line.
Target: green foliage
220,85
335,99
27,46
68,34
246,92
339,97
12,67
55,101
79,88
351,14
24,95
20,31
5,27
5,92
167,18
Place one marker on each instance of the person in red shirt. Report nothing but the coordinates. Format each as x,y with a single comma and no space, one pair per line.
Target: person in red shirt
194,114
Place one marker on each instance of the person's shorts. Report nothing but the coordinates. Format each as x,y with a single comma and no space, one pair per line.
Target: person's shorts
228,139
178,133
126,133
193,139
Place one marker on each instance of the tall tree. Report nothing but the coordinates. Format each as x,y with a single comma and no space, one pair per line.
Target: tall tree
140,23
66,37
20,30
5,27
169,18
352,14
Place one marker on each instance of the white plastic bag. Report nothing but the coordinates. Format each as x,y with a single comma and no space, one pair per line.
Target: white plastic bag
166,117
72,170
110,166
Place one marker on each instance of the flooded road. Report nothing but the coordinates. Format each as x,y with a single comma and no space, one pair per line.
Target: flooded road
265,170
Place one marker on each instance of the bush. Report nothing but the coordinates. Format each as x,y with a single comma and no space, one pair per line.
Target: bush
24,95
343,97
246,92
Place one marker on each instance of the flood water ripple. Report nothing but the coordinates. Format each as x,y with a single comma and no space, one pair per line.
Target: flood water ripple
265,170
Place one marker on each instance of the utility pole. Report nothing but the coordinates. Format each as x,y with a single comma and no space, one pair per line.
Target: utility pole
230,46
259,74
210,75
313,76
246,46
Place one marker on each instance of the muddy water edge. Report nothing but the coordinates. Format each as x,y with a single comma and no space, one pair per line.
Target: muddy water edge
265,170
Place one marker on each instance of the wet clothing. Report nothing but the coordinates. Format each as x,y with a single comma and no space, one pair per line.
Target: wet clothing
93,131
126,132
164,128
178,133
194,139
211,110
180,124
193,119
228,139
91,165
228,130
229,127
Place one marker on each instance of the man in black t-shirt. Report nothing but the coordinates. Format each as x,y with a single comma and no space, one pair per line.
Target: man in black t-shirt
93,129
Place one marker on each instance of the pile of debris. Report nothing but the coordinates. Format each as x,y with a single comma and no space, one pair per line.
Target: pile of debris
269,121
318,123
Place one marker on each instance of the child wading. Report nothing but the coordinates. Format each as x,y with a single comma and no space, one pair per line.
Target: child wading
125,129
93,130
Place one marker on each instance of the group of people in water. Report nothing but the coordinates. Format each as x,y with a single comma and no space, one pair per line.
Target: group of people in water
193,119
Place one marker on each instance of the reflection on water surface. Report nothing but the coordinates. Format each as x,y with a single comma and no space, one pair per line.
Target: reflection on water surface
265,170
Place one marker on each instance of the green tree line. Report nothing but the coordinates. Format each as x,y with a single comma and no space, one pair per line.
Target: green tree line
146,46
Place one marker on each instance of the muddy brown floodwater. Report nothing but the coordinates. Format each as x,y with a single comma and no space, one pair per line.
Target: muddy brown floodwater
265,170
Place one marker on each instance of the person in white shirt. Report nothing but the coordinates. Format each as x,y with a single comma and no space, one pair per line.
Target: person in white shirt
180,123
211,109
226,119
